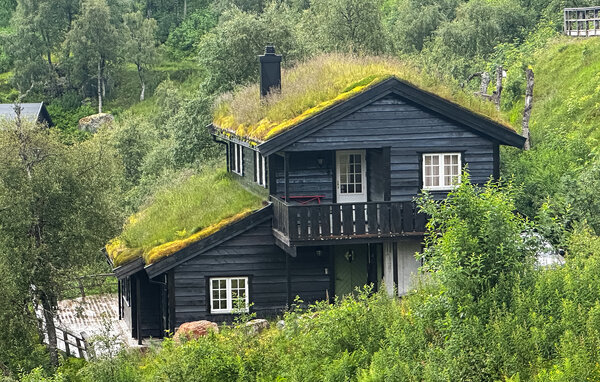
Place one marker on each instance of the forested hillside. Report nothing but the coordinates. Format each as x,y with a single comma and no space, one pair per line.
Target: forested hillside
160,67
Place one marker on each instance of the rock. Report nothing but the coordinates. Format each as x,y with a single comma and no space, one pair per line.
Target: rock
280,324
92,123
257,325
195,329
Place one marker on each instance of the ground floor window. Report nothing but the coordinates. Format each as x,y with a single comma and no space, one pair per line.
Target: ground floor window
126,290
228,294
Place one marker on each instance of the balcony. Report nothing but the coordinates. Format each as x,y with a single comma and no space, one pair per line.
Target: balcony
297,224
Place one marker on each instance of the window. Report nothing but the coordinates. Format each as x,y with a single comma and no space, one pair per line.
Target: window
228,294
441,171
237,159
260,169
126,290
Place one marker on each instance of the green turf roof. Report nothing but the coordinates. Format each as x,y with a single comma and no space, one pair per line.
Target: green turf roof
181,215
320,83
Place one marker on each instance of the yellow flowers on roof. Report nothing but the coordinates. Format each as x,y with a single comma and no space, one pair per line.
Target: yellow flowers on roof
120,254
320,83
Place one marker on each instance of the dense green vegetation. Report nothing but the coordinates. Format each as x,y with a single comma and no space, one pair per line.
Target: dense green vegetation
485,312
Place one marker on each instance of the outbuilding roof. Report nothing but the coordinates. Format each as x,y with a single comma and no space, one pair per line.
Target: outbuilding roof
33,111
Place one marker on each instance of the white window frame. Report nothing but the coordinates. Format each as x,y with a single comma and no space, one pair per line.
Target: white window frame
260,169
441,171
351,197
230,307
237,166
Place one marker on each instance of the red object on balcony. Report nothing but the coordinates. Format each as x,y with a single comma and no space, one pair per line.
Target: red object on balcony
307,198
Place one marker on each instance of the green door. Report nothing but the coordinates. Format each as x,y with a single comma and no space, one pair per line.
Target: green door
351,268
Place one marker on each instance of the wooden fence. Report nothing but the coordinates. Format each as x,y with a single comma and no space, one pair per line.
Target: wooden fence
582,22
72,344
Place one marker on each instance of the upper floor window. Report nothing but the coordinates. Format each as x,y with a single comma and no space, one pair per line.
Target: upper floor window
441,171
237,159
260,169
228,294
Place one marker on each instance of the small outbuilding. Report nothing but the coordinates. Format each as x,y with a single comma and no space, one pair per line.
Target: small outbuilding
32,111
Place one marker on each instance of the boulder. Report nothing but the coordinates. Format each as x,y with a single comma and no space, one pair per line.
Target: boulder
281,324
258,325
195,329
92,123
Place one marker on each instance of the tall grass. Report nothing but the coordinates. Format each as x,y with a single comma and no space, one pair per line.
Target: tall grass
321,82
194,208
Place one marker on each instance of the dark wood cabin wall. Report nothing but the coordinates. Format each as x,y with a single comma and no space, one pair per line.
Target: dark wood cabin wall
150,294
307,275
248,162
249,166
375,175
409,131
252,254
307,177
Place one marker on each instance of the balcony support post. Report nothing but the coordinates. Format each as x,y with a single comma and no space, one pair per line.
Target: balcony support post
286,176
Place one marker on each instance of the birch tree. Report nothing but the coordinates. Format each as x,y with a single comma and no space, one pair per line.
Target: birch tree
93,41
58,205
140,44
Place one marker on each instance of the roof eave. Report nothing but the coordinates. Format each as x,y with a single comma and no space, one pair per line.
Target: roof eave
167,263
435,103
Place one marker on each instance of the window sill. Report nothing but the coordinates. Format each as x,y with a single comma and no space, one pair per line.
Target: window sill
215,312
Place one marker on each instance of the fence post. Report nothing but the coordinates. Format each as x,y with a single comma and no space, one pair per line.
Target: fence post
66,340
79,347
81,288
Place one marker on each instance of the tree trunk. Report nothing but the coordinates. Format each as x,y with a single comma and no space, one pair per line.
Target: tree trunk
99,86
483,86
528,106
184,9
50,329
498,93
142,82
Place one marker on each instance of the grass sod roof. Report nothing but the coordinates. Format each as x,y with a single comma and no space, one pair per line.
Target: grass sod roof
325,81
181,215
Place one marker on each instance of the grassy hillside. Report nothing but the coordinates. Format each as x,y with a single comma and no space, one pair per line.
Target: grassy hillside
564,127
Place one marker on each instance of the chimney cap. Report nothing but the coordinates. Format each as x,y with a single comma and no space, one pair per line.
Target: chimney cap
270,49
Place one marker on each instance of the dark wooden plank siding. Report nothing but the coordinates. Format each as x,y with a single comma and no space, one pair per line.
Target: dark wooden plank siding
249,165
252,254
307,176
149,306
307,272
408,131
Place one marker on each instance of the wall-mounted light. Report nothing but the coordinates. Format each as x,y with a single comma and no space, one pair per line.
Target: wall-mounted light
349,255
320,161
319,252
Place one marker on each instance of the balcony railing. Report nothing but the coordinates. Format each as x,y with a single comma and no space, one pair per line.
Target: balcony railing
344,221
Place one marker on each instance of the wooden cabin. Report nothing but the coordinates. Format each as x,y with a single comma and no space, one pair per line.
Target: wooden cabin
340,214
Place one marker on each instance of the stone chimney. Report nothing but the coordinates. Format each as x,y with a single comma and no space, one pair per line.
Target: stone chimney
270,71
